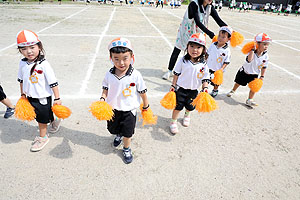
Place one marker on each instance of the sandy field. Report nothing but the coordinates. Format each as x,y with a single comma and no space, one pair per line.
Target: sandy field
231,153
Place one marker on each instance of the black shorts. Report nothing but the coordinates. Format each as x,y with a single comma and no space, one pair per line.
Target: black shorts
2,94
184,98
43,113
123,123
243,79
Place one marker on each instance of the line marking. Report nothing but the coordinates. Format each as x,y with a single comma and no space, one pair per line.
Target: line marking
91,66
162,94
14,44
162,35
98,35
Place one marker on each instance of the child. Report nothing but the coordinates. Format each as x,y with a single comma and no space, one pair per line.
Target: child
219,55
190,72
38,83
10,108
256,63
122,88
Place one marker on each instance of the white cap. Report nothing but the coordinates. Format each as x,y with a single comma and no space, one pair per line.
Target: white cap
120,42
27,38
198,38
262,37
228,29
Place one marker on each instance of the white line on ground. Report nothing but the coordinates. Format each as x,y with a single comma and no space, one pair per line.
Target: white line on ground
162,35
162,94
98,35
14,44
91,66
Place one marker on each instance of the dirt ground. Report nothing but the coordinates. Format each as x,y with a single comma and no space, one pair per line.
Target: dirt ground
231,153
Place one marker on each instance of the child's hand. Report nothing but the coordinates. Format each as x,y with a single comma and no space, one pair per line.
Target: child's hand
102,99
146,107
173,88
57,102
205,89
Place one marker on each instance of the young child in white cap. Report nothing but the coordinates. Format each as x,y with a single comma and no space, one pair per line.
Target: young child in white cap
38,83
190,73
123,89
219,55
256,64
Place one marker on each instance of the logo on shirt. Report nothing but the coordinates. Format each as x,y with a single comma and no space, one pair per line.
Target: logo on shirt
33,78
200,74
127,91
260,66
219,60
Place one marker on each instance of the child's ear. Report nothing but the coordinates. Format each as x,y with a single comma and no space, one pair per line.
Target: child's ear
132,59
111,61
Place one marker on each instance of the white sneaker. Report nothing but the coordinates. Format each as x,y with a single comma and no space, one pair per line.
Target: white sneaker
54,126
186,121
229,94
174,128
167,75
251,102
39,143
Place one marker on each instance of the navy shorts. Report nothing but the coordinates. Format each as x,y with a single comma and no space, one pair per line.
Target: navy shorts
243,79
2,94
184,98
123,123
43,113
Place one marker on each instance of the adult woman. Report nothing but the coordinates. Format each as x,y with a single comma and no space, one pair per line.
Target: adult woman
195,20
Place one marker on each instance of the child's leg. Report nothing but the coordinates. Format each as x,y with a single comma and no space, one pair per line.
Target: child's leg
43,129
175,115
7,103
235,87
251,94
127,142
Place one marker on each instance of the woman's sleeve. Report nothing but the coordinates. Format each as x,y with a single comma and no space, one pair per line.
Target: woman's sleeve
216,17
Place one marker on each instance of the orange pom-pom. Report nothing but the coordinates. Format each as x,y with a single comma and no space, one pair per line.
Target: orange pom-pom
236,39
101,110
169,100
215,38
24,110
255,85
218,77
61,111
147,115
248,46
205,103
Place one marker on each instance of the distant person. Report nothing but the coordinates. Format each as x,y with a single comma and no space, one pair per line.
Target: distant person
10,108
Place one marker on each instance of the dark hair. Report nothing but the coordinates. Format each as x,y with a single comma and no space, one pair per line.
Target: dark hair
201,58
228,34
38,58
120,50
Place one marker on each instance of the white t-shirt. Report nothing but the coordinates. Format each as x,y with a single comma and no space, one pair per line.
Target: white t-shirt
124,92
218,56
255,66
190,75
39,84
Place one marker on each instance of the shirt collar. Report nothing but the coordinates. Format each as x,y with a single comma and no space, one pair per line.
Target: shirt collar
128,73
224,47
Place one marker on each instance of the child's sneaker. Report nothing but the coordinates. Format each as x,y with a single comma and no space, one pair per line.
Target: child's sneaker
54,126
214,93
186,121
167,75
174,128
39,143
127,155
251,102
9,112
230,93
117,140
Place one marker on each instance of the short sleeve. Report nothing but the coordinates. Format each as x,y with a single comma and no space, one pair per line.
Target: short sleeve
141,86
266,63
20,74
227,58
178,68
105,82
209,49
49,75
206,73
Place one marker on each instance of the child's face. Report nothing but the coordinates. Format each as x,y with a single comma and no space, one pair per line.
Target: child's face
30,52
263,46
222,38
195,50
121,60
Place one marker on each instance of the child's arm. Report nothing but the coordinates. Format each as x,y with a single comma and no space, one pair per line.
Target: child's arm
145,101
250,55
262,73
56,96
174,83
104,95
21,90
204,86
224,66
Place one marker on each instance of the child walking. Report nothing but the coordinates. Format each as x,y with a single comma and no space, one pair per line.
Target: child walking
38,83
219,55
123,89
10,108
256,63
190,72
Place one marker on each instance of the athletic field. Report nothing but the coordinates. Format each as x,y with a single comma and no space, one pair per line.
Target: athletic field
231,153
